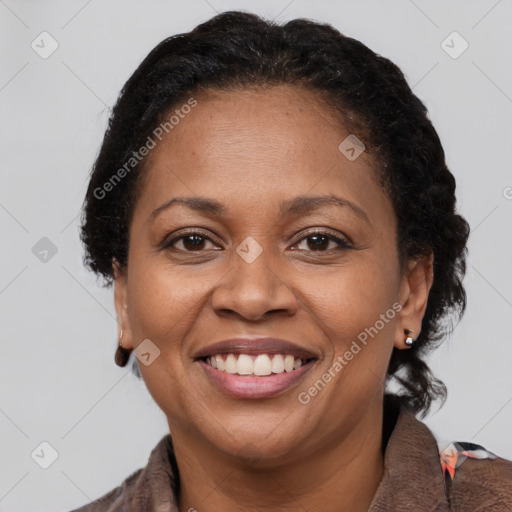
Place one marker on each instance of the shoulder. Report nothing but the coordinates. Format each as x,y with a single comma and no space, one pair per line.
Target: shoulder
477,478
422,474
151,482
112,501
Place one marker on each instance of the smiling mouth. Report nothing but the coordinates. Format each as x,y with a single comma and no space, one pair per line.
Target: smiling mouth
260,365
255,368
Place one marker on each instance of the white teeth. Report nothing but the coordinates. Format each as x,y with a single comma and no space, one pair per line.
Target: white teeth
221,365
261,365
245,366
278,364
231,364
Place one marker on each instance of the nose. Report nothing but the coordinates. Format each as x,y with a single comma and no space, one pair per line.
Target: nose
252,290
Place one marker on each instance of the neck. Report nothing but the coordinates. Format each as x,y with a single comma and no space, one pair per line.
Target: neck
343,475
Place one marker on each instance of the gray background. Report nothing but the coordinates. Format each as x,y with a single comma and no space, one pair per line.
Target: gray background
59,383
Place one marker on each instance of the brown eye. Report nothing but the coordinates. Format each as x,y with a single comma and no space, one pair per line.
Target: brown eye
193,242
322,242
190,242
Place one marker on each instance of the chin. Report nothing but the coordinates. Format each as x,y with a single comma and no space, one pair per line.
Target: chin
259,445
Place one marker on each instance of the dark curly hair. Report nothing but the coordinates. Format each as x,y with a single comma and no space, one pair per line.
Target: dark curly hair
236,50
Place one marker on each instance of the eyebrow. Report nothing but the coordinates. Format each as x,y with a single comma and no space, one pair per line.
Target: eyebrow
299,205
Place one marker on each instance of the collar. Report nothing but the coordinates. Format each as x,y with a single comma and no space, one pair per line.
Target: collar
412,478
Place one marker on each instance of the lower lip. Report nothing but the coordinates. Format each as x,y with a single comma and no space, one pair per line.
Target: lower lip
245,386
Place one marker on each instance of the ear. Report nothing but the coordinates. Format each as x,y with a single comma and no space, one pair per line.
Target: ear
121,304
414,291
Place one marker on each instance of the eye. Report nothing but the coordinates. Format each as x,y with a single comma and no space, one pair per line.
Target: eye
191,241
322,241
316,241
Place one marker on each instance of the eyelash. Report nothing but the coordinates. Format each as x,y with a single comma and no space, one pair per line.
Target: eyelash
342,243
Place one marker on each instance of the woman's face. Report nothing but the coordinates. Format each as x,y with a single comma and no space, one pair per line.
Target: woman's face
264,265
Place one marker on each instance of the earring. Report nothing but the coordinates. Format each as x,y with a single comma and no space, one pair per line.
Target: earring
122,354
408,341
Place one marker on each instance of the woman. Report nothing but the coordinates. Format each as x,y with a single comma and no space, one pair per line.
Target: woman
273,207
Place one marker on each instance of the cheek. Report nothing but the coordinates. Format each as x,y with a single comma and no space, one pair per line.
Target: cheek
161,298
353,298
354,308
348,306
162,305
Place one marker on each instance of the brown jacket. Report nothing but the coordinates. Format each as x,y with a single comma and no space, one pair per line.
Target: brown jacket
413,478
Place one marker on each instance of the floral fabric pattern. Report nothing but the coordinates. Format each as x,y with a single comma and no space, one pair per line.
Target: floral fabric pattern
456,453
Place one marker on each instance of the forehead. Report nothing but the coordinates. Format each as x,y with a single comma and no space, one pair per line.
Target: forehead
281,116
258,144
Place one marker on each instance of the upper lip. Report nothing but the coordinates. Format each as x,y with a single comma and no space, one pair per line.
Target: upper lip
255,346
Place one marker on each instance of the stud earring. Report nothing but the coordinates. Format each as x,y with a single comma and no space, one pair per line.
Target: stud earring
122,354
408,340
